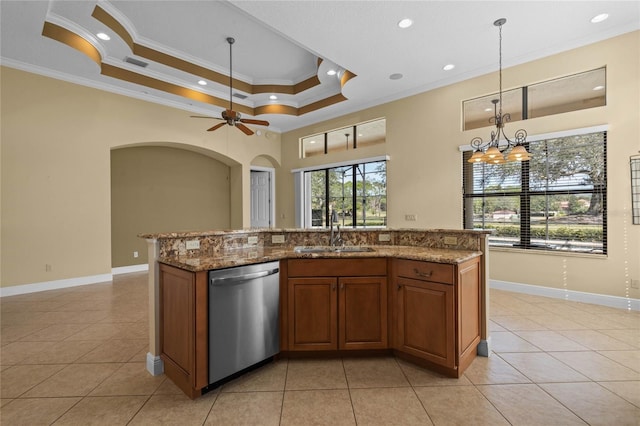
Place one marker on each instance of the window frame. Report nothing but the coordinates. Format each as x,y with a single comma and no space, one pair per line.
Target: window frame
303,210
525,194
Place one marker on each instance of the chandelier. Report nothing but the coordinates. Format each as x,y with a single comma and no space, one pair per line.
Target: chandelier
492,151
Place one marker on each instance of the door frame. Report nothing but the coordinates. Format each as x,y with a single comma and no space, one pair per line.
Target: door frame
272,191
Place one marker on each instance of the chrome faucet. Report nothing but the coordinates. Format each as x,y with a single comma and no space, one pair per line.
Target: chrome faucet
335,239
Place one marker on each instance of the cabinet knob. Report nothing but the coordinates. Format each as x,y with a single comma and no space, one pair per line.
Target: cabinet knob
341,286
333,287
399,287
422,274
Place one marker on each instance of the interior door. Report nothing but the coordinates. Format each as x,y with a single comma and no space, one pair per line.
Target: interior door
260,199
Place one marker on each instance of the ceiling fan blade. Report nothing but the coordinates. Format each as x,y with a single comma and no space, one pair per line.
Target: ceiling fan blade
247,131
256,122
217,126
202,116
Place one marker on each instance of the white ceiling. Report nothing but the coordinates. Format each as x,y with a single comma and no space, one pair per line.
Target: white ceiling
279,42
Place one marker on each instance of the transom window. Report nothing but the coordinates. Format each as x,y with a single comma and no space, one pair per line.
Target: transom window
570,93
556,201
344,139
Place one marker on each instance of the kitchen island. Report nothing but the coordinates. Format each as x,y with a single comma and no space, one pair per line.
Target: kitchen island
419,294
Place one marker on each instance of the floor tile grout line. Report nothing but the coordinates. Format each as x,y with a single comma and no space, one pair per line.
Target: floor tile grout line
413,389
534,381
492,404
590,351
286,376
560,402
139,409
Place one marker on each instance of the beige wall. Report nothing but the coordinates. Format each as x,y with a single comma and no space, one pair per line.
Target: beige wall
425,178
56,142
161,189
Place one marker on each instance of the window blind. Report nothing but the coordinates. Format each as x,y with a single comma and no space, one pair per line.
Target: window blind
555,201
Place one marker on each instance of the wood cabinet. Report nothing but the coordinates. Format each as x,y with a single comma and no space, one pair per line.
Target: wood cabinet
438,312
337,304
183,328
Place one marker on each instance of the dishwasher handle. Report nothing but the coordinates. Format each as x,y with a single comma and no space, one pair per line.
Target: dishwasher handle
242,277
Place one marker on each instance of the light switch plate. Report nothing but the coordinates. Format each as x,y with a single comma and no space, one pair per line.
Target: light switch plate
410,217
252,239
193,244
277,239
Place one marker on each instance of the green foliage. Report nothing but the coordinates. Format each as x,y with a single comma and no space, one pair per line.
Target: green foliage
369,184
571,233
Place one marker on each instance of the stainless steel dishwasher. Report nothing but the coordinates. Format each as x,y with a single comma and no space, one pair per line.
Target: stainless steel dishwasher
243,318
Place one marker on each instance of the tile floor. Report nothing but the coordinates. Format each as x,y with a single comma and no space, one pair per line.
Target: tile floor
77,357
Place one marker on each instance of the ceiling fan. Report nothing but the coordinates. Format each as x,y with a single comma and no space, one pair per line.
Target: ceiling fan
229,116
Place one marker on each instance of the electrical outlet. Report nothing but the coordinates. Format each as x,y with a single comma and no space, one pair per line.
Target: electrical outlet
135,254
47,267
635,283
452,241
277,239
384,237
193,244
252,239
410,217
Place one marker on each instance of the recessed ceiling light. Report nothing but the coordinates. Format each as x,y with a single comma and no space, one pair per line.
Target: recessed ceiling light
448,67
405,23
103,36
599,18
395,76
488,109
312,141
273,97
202,82
359,134
332,72
598,88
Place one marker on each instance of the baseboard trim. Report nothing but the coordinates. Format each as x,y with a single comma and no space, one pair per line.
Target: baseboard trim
575,296
129,269
54,285
484,347
155,366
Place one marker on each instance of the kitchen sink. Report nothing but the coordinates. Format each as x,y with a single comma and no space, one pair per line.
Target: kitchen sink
329,249
352,249
312,249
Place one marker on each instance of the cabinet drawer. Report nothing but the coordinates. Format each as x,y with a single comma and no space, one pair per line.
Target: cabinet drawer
426,271
355,267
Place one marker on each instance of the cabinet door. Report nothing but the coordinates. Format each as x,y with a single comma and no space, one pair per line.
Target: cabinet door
362,315
313,305
468,311
183,327
426,320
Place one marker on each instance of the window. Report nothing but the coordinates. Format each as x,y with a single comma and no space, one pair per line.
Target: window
351,137
571,93
353,195
555,201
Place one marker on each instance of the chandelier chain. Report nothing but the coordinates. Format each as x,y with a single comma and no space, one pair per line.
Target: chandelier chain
500,68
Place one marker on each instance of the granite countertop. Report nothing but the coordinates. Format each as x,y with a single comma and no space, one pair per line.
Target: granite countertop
246,256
